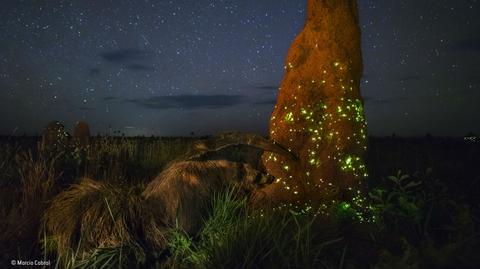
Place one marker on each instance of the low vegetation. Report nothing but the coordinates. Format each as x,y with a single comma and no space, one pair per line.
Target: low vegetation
52,209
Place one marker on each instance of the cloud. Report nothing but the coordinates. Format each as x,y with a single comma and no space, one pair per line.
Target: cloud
93,71
83,108
125,55
190,102
383,101
267,87
140,67
109,98
468,44
270,102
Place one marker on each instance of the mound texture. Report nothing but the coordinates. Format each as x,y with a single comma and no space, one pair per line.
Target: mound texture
319,112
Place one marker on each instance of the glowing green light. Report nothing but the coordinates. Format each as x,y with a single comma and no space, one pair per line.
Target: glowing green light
289,117
345,206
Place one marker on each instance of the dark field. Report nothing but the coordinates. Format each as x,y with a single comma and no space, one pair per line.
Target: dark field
428,219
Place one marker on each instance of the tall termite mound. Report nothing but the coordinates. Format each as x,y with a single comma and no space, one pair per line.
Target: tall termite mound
319,112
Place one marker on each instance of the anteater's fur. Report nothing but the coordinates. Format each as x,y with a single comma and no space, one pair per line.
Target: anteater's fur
91,214
183,192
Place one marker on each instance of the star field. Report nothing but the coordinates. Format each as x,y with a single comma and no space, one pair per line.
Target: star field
175,67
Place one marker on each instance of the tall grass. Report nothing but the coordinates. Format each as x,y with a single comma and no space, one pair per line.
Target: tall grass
36,178
128,160
236,236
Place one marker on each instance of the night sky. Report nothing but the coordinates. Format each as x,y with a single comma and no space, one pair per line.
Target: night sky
175,67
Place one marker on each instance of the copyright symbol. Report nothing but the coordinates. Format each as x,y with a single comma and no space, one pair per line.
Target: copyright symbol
13,262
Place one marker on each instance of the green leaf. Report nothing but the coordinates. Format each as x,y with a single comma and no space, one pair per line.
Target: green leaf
412,184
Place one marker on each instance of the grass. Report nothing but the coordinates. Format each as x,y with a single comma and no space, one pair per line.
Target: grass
234,236
423,219
31,176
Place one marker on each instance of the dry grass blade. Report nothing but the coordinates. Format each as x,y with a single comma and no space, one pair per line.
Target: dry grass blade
37,177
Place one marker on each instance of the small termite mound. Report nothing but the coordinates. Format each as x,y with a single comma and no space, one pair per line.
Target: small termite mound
54,136
81,134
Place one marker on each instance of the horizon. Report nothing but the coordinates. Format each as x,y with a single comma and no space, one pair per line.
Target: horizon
119,134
